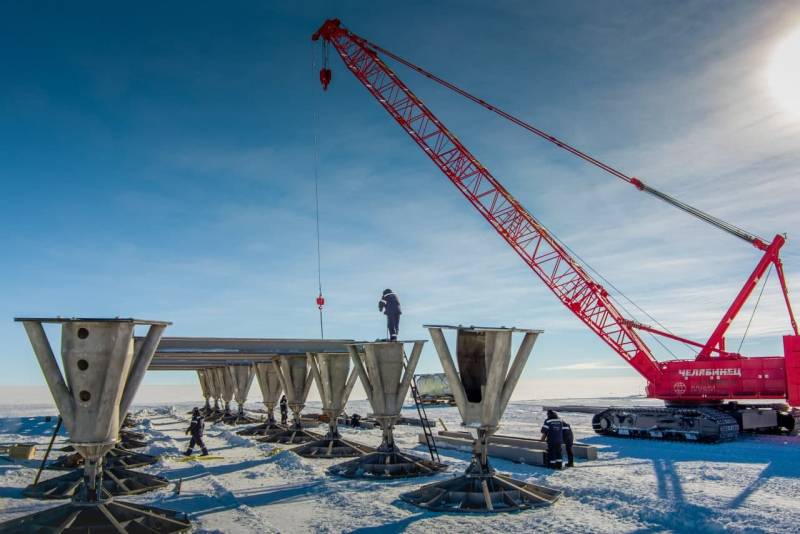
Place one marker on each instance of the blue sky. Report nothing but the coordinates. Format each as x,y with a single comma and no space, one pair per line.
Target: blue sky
156,161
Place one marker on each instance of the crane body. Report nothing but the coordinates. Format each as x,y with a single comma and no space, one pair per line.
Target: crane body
695,390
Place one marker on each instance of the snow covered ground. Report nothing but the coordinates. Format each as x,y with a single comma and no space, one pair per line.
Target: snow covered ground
752,485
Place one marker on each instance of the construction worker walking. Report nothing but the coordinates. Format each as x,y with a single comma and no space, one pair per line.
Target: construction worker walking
196,428
553,433
390,306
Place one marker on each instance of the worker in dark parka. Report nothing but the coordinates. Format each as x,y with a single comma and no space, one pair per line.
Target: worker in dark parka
569,439
390,306
284,410
553,433
196,428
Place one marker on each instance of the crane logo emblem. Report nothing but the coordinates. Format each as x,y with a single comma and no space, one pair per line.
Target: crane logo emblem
679,387
730,371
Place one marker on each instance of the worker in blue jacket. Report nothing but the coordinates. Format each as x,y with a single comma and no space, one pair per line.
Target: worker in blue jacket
553,433
196,428
390,306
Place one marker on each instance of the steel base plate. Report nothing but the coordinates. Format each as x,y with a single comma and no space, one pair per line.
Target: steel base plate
108,517
290,436
132,440
116,457
215,415
386,464
236,419
260,430
481,493
130,434
332,447
130,422
116,481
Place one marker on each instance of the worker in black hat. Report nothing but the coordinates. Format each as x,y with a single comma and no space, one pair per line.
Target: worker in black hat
390,306
553,433
196,428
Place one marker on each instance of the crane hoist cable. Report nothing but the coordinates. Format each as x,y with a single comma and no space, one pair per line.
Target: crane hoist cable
755,307
315,163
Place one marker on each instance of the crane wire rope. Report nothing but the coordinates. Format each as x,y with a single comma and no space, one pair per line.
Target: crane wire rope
715,221
315,164
753,314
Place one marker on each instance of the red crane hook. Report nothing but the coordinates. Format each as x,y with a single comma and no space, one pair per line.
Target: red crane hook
325,78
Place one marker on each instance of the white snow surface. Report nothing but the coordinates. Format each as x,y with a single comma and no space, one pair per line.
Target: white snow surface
751,485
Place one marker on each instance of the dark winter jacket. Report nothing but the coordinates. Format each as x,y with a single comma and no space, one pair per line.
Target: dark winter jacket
567,433
553,430
197,426
389,304
284,407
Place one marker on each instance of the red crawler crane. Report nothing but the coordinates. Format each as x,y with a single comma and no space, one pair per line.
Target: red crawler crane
695,390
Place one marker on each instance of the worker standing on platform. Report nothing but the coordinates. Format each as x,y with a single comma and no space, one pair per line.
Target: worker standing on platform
390,306
553,433
284,410
196,428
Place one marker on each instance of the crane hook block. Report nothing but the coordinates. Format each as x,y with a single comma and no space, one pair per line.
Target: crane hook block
320,301
325,78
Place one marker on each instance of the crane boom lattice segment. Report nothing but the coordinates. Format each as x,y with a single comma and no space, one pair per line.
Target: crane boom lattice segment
533,243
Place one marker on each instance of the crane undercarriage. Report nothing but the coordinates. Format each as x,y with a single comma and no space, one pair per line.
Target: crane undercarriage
704,424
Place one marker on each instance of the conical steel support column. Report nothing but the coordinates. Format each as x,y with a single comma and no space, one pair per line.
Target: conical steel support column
270,385
225,375
243,376
386,377
102,372
482,386
205,387
215,388
224,389
296,379
330,372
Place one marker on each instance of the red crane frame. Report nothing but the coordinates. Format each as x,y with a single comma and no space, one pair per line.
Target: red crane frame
724,376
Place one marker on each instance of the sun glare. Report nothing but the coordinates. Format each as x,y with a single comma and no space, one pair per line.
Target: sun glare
784,72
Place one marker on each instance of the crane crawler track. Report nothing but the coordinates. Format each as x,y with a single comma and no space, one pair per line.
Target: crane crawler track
701,424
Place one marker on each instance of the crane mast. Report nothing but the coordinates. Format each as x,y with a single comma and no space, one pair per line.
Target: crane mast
715,375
